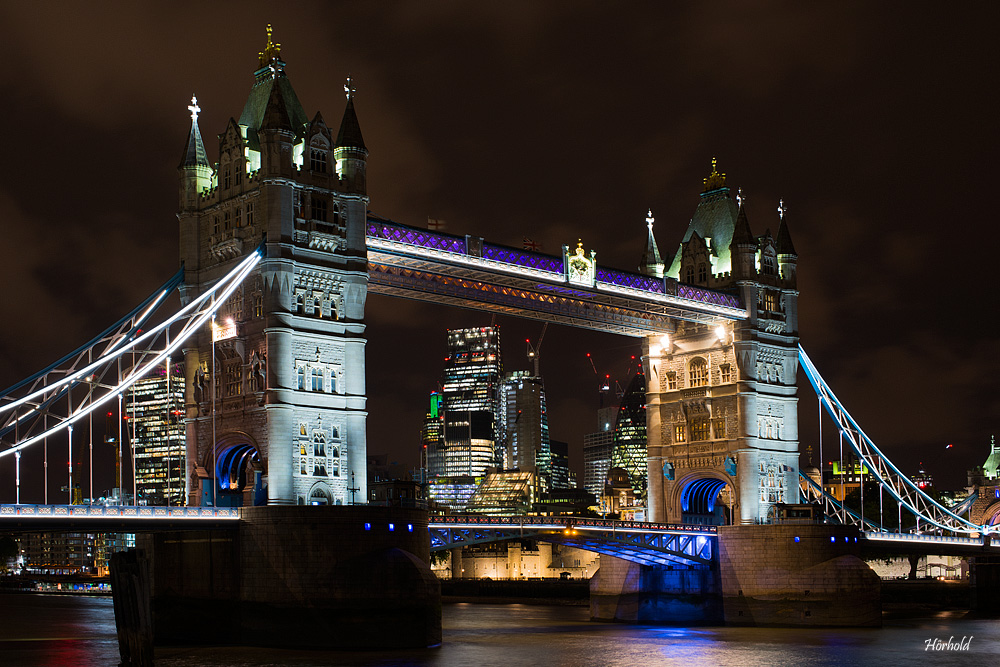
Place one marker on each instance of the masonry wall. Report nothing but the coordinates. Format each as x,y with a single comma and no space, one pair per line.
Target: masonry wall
626,591
300,577
797,575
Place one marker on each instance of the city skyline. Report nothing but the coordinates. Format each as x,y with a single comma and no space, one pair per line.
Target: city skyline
555,124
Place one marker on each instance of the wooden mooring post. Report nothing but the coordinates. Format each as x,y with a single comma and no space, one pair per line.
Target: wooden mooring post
130,581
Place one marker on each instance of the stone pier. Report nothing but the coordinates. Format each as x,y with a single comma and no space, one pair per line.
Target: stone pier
633,593
299,577
797,575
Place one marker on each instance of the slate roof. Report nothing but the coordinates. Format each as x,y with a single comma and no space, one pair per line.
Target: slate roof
350,130
256,106
194,152
715,217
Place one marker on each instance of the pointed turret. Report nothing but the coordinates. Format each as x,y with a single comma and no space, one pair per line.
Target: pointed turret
787,257
350,151
744,246
195,172
651,263
349,135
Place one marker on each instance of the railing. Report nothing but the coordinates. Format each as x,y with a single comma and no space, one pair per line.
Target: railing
569,522
117,511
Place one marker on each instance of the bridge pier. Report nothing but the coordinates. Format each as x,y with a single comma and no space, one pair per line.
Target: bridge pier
984,581
332,577
625,591
797,575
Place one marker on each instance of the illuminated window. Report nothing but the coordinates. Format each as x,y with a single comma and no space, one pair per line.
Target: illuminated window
317,379
319,209
234,378
258,304
700,429
698,373
671,380
679,433
771,302
317,160
726,372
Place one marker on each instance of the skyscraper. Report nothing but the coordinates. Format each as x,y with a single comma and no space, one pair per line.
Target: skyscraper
597,448
154,407
629,450
527,426
432,436
471,400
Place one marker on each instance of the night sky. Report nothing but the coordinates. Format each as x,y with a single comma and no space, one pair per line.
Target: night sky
876,122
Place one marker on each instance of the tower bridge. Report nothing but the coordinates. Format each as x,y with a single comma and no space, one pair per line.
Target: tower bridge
279,252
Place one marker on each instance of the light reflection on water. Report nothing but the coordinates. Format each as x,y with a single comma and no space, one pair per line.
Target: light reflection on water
71,630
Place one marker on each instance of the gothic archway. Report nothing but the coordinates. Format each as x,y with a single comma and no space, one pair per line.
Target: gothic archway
705,499
238,471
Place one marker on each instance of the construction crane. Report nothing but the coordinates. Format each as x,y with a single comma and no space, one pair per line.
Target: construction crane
535,352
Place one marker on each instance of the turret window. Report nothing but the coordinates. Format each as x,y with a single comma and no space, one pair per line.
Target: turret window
767,265
679,433
771,302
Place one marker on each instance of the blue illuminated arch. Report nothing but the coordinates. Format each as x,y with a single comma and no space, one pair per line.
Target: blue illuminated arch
699,495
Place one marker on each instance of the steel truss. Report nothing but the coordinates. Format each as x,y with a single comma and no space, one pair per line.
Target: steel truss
72,388
639,542
900,487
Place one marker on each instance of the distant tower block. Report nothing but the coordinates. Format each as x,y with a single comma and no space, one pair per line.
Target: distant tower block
286,422
722,420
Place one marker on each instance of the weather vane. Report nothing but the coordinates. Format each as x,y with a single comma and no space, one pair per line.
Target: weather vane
781,209
349,88
194,108
650,219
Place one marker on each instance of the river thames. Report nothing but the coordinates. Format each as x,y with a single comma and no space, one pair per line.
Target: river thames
77,631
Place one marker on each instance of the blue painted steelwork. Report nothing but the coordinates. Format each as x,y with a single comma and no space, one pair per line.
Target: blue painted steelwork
636,541
900,487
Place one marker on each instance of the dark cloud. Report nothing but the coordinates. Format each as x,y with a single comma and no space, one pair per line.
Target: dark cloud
555,121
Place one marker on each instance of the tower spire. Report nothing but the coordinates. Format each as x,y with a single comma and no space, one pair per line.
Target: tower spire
194,151
652,263
715,180
271,52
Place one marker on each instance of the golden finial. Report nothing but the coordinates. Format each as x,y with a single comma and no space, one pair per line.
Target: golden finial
271,50
715,180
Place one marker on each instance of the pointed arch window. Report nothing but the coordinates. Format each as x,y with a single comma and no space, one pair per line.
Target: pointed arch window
317,379
689,275
698,373
317,160
702,273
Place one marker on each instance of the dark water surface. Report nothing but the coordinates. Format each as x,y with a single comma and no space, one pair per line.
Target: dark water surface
80,631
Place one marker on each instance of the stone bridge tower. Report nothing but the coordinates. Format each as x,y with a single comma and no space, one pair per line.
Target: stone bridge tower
722,421
280,416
